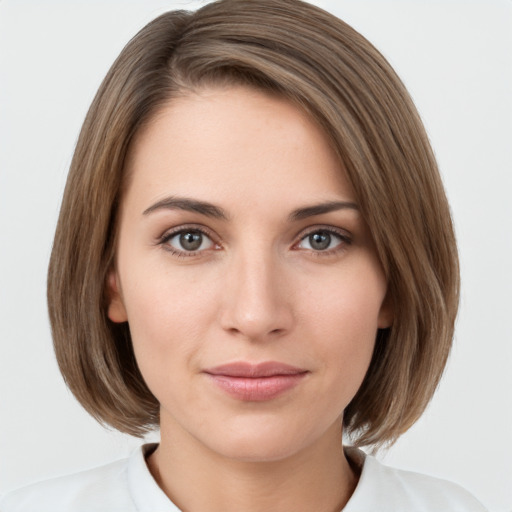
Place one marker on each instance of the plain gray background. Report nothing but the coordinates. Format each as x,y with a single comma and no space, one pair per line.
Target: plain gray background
455,58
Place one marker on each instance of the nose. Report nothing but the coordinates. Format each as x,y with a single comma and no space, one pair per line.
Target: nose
256,303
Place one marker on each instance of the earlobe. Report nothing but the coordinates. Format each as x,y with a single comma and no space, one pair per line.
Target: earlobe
115,310
386,313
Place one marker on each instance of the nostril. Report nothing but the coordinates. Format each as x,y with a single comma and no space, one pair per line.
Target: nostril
253,305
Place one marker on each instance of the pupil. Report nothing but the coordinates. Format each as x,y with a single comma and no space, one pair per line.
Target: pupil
320,240
191,241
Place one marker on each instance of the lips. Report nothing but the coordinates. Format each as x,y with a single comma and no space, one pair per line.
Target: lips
256,382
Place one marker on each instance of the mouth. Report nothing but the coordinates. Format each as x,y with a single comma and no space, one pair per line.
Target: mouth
256,382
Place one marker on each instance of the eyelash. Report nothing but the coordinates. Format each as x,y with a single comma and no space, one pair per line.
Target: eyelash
344,239
169,235
342,235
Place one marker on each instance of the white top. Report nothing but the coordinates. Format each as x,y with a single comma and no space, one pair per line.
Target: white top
127,486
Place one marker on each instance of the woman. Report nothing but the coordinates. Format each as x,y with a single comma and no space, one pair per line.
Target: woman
255,255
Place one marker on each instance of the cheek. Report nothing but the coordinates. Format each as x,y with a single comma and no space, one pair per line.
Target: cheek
169,314
343,317
348,302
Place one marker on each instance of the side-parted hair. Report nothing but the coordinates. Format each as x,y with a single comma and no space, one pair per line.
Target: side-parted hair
308,56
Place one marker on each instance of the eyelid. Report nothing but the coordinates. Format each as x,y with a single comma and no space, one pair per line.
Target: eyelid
344,235
172,232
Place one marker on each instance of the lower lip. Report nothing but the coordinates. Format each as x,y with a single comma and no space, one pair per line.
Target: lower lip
257,389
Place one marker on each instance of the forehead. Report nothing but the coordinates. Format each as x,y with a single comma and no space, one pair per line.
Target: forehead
218,141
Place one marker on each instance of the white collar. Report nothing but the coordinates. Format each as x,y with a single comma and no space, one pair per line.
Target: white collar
145,492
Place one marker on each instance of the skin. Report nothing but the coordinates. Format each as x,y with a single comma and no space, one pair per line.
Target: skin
257,289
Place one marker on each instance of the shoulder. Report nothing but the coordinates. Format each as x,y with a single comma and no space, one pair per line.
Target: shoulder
393,490
101,489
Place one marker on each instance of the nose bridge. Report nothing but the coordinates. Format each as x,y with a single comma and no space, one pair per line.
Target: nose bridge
256,303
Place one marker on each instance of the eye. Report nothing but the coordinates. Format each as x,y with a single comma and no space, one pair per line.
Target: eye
187,241
322,240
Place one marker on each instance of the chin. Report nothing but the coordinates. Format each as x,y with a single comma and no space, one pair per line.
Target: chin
257,450
259,442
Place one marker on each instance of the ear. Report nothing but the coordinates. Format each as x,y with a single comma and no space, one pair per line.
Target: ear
116,310
386,313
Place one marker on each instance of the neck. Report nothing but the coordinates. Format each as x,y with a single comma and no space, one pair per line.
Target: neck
196,478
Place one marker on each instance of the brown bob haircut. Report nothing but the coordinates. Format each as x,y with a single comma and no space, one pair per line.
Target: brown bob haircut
308,56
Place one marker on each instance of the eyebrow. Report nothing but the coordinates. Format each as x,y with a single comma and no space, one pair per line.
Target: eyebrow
190,205
319,209
210,210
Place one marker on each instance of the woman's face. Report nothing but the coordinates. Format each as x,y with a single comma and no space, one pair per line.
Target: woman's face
247,275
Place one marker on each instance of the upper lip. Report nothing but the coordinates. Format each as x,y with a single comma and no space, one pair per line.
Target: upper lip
251,370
